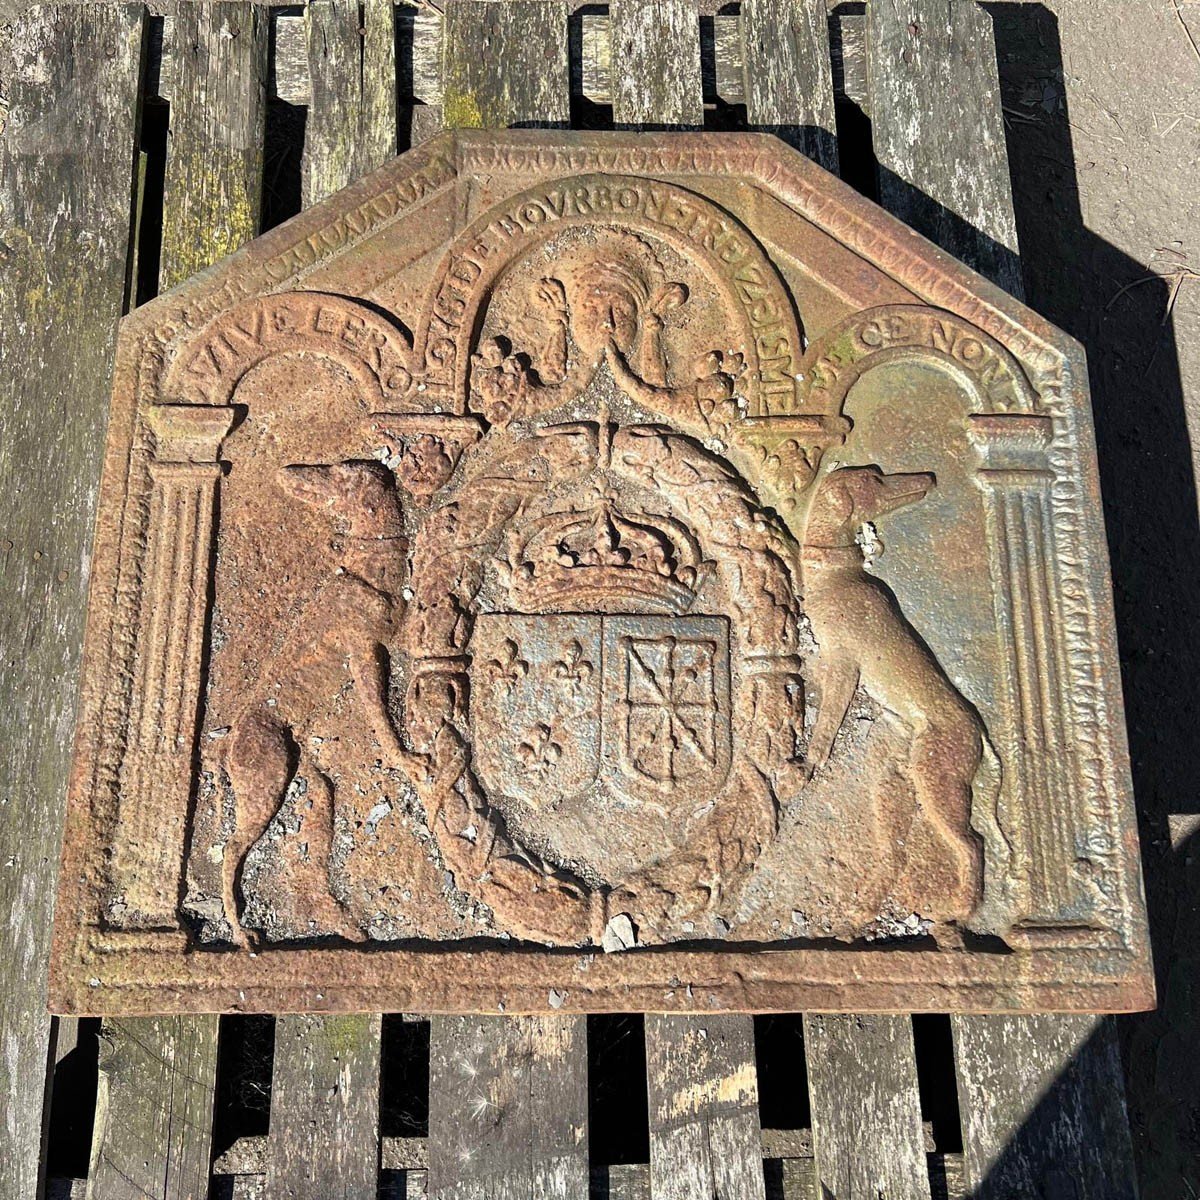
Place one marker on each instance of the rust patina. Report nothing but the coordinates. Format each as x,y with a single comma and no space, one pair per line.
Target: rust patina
599,572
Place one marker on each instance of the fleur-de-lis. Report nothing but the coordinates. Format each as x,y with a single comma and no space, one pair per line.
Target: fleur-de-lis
573,668
539,751
508,668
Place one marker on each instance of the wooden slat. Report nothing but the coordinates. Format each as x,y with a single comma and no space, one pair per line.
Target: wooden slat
154,1109
657,46
213,184
158,1077
866,1111
789,79
1042,1098
507,1097
508,1108
420,71
938,129
787,1179
66,173
505,64
288,79
334,125
351,125
720,43
378,89
848,53
1043,1108
324,1142
705,1139
65,1037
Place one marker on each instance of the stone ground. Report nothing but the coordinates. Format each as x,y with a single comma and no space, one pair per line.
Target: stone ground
1102,100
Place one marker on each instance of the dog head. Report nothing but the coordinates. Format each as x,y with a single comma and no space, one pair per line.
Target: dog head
850,496
359,496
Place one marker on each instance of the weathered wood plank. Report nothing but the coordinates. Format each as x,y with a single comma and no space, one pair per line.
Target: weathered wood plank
418,64
595,58
788,74
866,1111
1042,1098
325,1109
703,1090
332,134
508,1108
402,65
720,42
787,1179
848,53
287,77
657,44
66,178
419,70
505,64
154,1108
213,184
66,1037
1043,1108
250,1155
420,73
379,93
351,127
938,129
158,1076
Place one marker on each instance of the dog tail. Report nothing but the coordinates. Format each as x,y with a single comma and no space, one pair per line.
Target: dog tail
993,914
985,787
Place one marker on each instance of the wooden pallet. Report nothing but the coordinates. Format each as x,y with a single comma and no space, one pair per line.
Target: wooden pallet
1039,1099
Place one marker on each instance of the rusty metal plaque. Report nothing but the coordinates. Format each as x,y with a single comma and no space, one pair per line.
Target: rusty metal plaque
594,572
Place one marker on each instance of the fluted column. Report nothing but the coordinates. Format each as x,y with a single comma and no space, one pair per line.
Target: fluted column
159,763
1037,750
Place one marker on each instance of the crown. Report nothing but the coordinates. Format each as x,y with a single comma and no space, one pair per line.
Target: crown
600,560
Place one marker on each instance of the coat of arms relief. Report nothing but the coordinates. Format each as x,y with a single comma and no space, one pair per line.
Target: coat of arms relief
598,576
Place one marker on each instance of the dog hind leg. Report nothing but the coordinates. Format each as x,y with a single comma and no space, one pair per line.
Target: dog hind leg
260,761
945,755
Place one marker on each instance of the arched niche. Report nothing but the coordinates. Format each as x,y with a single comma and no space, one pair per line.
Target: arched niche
295,410
716,243
924,390
374,352
875,337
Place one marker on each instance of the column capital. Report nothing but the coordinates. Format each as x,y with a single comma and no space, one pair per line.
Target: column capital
1011,444
189,432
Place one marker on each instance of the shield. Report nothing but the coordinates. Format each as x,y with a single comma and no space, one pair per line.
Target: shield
640,703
